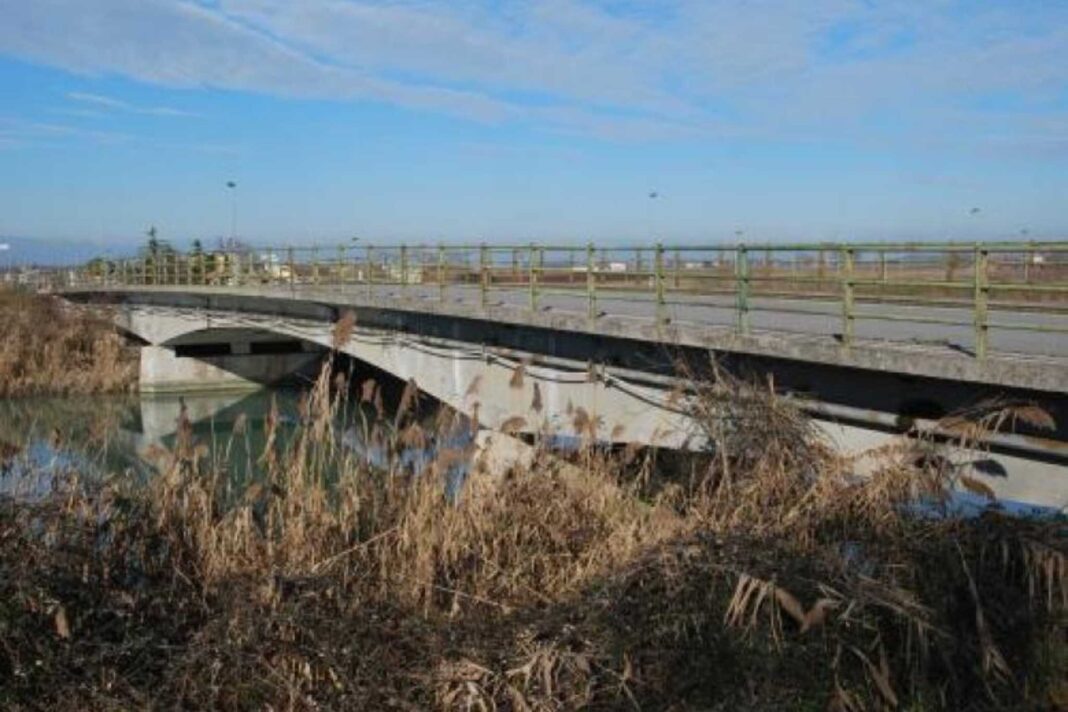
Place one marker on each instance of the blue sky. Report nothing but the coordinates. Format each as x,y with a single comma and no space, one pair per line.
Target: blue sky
533,119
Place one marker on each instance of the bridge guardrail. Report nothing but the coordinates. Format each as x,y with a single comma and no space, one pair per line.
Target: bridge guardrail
1006,286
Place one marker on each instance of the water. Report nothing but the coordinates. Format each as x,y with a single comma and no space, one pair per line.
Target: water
43,438
101,435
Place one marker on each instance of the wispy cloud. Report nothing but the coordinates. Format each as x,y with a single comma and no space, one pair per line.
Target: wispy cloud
708,68
18,133
111,104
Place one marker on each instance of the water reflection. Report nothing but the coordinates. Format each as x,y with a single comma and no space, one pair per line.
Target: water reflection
42,438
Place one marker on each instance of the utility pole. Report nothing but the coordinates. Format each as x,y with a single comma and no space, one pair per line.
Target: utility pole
232,187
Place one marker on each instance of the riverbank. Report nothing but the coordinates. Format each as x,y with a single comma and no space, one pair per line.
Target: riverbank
762,578
49,348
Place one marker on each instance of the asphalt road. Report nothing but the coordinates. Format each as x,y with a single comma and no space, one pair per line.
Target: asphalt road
898,323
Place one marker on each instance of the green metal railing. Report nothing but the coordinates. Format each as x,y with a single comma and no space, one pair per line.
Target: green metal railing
961,285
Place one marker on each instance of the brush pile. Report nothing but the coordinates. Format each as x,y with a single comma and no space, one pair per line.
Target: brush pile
761,576
49,348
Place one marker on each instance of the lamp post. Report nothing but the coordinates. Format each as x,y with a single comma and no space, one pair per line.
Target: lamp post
232,187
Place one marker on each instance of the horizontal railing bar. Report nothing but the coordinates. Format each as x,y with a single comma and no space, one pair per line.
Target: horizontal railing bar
1040,328
913,319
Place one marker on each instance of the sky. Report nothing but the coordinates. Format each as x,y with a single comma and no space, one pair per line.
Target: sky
550,120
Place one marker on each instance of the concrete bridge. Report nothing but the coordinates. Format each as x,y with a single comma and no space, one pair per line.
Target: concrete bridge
591,346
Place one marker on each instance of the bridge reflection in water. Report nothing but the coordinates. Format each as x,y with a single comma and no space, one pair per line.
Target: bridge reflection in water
95,436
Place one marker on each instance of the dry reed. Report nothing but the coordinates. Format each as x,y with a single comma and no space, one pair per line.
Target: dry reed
53,348
759,575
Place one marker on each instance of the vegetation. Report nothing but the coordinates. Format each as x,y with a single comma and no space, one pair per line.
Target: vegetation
760,576
53,348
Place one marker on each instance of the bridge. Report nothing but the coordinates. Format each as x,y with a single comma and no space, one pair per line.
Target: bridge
871,339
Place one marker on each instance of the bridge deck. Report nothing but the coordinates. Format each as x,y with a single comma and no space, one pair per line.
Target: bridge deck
910,344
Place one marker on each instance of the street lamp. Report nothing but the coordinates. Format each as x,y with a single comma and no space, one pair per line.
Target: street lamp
653,195
232,187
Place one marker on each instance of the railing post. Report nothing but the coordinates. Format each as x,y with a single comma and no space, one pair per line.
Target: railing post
591,283
403,266
532,276
292,268
982,298
678,267
658,268
441,273
515,266
847,261
882,266
341,264
741,274
315,265
1029,259
369,258
483,271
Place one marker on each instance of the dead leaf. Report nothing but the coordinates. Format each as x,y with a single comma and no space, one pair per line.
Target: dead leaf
977,487
62,626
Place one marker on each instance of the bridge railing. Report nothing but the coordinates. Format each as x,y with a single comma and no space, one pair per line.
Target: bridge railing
980,288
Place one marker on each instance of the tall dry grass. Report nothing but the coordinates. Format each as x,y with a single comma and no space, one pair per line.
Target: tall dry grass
759,576
50,348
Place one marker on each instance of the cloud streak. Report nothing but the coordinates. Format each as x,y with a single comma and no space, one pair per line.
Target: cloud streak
684,68
111,104
20,133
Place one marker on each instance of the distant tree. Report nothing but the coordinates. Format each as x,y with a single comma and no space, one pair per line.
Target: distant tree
98,266
196,254
157,254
